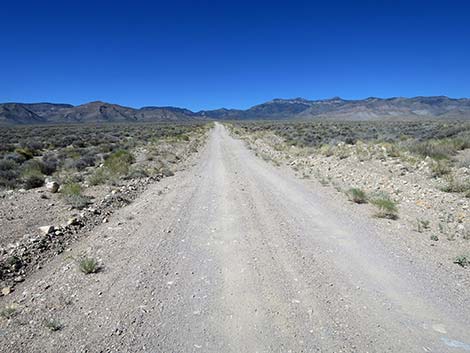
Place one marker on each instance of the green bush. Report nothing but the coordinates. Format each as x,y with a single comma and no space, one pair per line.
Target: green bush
119,162
8,312
72,194
9,172
357,195
33,181
437,149
387,208
71,189
53,325
26,153
440,168
99,176
32,175
457,185
89,265
462,260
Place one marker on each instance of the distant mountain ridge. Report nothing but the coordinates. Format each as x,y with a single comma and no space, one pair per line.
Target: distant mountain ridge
372,108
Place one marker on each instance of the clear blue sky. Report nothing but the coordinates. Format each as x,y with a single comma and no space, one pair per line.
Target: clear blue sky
209,54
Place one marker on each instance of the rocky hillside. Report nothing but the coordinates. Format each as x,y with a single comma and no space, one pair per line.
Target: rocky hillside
335,108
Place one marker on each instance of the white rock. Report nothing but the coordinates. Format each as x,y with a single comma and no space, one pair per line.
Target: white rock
52,186
46,229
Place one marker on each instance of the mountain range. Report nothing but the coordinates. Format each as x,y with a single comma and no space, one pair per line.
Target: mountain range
397,108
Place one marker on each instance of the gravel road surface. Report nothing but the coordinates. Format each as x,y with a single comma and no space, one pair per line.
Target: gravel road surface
236,255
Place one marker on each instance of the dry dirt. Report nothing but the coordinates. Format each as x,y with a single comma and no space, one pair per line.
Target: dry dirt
236,255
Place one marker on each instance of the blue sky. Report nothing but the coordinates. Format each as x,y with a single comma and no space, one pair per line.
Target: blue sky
211,54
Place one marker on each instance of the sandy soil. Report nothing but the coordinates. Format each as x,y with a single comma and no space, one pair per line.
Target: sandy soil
236,255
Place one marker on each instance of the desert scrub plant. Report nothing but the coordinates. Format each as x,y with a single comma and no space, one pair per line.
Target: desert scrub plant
32,174
436,150
9,172
440,168
119,162
341,151
116,165
9,311
326,150
357,195
462,260
387,208
53,325
456,185
26,153
422,225
99,176
72,194
89,265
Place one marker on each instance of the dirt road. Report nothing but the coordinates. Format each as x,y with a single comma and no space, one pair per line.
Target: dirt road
236,255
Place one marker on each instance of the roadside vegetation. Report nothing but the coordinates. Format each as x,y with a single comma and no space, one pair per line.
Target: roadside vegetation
440,143
357,195
98,154
89,265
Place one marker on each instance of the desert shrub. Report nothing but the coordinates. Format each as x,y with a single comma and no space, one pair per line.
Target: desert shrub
72,194
15,157
440,168
357,195
32,181
34,165
71,189
433,149
50,164
25,152
390,149
53,325
341,151
89,265
32,145
462,260
457,185
8,312
81,162
464,162
387,208
422,225
99,176
31,174
9,172
137,173
119,162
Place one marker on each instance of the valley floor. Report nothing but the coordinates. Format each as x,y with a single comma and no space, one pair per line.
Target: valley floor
236,255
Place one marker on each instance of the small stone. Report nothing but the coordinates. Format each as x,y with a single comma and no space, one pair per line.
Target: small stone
52,186
18,279
72,221
105,220
46,229
6,290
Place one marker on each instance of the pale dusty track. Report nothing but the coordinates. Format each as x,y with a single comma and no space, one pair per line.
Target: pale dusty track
235,255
